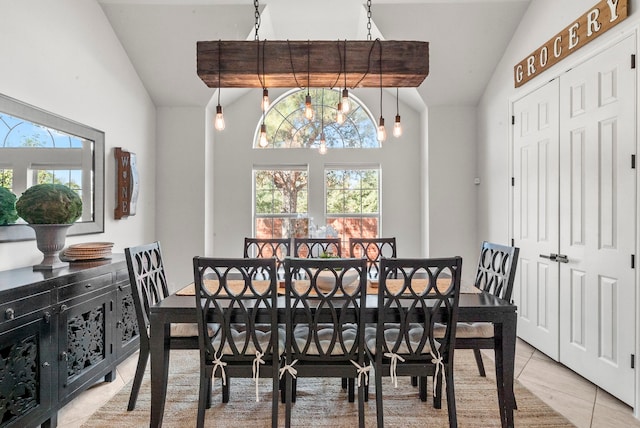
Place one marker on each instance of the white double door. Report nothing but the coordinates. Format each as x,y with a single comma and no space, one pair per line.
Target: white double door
574,218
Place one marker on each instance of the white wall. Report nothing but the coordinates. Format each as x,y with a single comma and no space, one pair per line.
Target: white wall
64,57
181,201
234,159
452,192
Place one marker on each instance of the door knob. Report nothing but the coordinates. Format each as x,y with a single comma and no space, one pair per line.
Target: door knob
553,257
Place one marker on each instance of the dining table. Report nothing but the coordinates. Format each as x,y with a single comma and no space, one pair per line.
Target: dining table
474,306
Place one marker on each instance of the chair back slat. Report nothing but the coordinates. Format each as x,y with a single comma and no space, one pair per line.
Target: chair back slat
497,269
148,280
324,300
413,296
316,247
227,291
264,248
373,249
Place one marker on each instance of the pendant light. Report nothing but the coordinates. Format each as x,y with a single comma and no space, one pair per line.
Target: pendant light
346,105
263,142
397,127
308,107
323,143
219,120
265,103
382,133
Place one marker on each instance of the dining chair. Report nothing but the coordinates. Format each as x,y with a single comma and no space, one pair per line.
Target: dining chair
324,335
402,343
268,247
149,286
495,274
373,249
247,345
316,247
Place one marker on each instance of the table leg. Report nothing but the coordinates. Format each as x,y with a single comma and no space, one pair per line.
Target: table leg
505,336
159,332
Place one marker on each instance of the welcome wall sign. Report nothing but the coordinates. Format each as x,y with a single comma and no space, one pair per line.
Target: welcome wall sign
603,16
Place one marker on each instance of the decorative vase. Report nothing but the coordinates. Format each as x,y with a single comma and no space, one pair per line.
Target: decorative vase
50,239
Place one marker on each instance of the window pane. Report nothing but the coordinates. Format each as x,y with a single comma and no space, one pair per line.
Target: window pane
352,201
280,198
287,126
6,178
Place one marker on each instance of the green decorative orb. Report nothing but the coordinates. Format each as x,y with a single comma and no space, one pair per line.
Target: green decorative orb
49,204
8,214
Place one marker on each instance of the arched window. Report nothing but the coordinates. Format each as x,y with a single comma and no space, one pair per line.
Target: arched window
287,126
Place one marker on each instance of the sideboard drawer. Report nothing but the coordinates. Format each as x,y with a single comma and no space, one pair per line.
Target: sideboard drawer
19,308
83,287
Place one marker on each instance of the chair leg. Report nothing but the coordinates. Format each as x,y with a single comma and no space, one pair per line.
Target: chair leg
451,400
437,395
351,383
478,355
379,405
205,373
225,391
209,387
143,357
414,381
344,383
361,391
294,387
422,387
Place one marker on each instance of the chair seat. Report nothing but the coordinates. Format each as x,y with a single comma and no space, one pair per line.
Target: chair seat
191,329
467,330
391,337
239,338
324,335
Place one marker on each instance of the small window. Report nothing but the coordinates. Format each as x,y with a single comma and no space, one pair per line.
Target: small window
353,203
280,201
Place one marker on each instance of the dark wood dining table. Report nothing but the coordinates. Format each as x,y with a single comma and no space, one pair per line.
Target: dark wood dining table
476,307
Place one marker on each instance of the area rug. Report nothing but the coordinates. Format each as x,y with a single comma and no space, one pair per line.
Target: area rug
322,402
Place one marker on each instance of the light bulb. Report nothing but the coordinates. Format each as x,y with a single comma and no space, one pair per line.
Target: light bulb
323,145
340,115
382,133
346,105
264,105
219,120
308,107
397,127
263,136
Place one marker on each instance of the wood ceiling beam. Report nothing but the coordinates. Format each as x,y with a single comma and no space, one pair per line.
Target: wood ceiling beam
404,63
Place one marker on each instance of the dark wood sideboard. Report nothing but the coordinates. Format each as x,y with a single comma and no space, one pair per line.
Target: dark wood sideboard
61,332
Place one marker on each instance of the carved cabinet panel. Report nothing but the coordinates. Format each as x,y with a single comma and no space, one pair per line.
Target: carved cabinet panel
84,348
126,334
61,332
25,371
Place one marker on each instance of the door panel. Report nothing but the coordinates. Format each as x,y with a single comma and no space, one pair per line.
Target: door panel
536,216
598,219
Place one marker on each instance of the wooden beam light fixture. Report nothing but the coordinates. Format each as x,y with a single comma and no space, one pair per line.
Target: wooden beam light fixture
284,64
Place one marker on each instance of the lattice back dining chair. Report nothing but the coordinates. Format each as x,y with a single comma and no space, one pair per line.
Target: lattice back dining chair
373,249
316,247
241,296
268,247
495,274
148,287
402,343
324,324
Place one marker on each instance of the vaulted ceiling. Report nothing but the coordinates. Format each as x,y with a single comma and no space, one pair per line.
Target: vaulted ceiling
466,37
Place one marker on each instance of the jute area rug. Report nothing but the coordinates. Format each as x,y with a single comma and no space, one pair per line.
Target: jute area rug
322,402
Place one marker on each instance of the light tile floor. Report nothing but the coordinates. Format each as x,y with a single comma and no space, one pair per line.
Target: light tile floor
582,403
